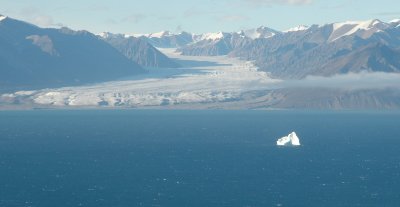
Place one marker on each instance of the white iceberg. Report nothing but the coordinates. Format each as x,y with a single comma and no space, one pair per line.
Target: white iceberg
290,139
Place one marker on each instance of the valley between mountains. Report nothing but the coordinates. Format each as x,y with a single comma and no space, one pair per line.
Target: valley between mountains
201,82
213,82
345,65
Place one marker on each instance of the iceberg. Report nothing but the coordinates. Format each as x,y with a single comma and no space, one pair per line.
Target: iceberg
290,139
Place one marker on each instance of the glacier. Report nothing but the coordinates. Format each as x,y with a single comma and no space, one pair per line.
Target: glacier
201,80
290,139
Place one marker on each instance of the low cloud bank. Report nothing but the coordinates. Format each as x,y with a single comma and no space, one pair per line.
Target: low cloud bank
351,81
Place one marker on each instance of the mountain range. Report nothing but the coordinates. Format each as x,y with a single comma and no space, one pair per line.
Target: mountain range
38,58
329,49
184,40
138,50
33,57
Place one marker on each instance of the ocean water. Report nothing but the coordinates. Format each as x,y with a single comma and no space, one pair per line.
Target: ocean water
122,158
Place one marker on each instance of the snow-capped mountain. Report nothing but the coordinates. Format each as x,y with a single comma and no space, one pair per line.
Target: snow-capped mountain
109,35
363,29
210,36
303,50
138,50
2,17
328,49
264,44
33,57
160,34
215,44
261,32
395,22
222,43
298,28
166,39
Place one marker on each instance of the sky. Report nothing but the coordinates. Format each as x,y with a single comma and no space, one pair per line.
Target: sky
196,16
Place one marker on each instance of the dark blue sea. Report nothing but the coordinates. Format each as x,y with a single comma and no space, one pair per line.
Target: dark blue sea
124,158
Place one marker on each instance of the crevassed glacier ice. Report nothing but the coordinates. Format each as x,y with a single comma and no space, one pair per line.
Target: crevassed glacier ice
204,80
290,139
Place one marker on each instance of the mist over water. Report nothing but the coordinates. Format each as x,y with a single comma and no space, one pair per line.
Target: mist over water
350,81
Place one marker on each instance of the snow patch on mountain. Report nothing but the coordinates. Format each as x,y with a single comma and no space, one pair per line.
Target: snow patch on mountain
2,17
395,21
160,34
107,35
365,28
296,29
261,32
139,35
212,36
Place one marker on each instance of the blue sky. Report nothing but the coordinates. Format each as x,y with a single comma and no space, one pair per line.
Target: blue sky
147,16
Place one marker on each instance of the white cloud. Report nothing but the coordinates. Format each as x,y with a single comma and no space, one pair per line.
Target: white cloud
45,21
351,81
35,16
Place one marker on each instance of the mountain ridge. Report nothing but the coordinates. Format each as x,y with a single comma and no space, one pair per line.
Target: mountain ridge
31,56
138,50
308,50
